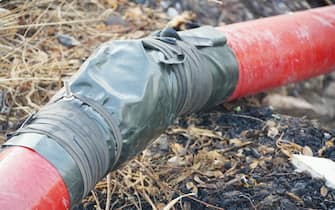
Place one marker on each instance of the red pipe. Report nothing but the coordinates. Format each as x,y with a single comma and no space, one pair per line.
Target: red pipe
28,181
275,51
270,52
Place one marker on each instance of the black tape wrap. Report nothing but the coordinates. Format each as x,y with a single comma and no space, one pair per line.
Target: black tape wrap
182,56
124,96
79,126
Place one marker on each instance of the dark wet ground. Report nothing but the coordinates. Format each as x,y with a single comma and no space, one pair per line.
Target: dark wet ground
235,156
273,184
238,160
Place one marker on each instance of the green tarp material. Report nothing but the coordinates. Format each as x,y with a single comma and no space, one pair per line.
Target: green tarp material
135,88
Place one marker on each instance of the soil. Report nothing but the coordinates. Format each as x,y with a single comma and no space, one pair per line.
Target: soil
235,156
232,160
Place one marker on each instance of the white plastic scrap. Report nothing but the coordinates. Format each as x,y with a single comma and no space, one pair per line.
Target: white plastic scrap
317,167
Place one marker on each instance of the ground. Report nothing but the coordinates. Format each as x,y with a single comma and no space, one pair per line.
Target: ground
235,156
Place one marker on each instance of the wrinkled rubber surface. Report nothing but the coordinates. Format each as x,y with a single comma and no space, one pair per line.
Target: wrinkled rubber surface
141,93
142,85
75,127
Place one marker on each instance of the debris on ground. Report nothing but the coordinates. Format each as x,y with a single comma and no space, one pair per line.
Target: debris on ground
320,168
67,40
229,161
235,156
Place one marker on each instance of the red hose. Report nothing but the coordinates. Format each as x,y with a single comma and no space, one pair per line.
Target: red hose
28,181
270,52
279,50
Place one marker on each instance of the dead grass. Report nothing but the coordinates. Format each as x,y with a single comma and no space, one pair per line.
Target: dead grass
33,62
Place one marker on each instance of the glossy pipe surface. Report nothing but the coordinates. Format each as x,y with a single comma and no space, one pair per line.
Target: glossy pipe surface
28,181
278,50
270,52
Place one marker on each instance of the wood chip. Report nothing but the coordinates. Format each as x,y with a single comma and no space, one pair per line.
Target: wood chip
323,191
307,151
174,201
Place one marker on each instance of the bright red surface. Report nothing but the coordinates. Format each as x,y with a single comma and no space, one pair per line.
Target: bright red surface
278,50
271,52
28,181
